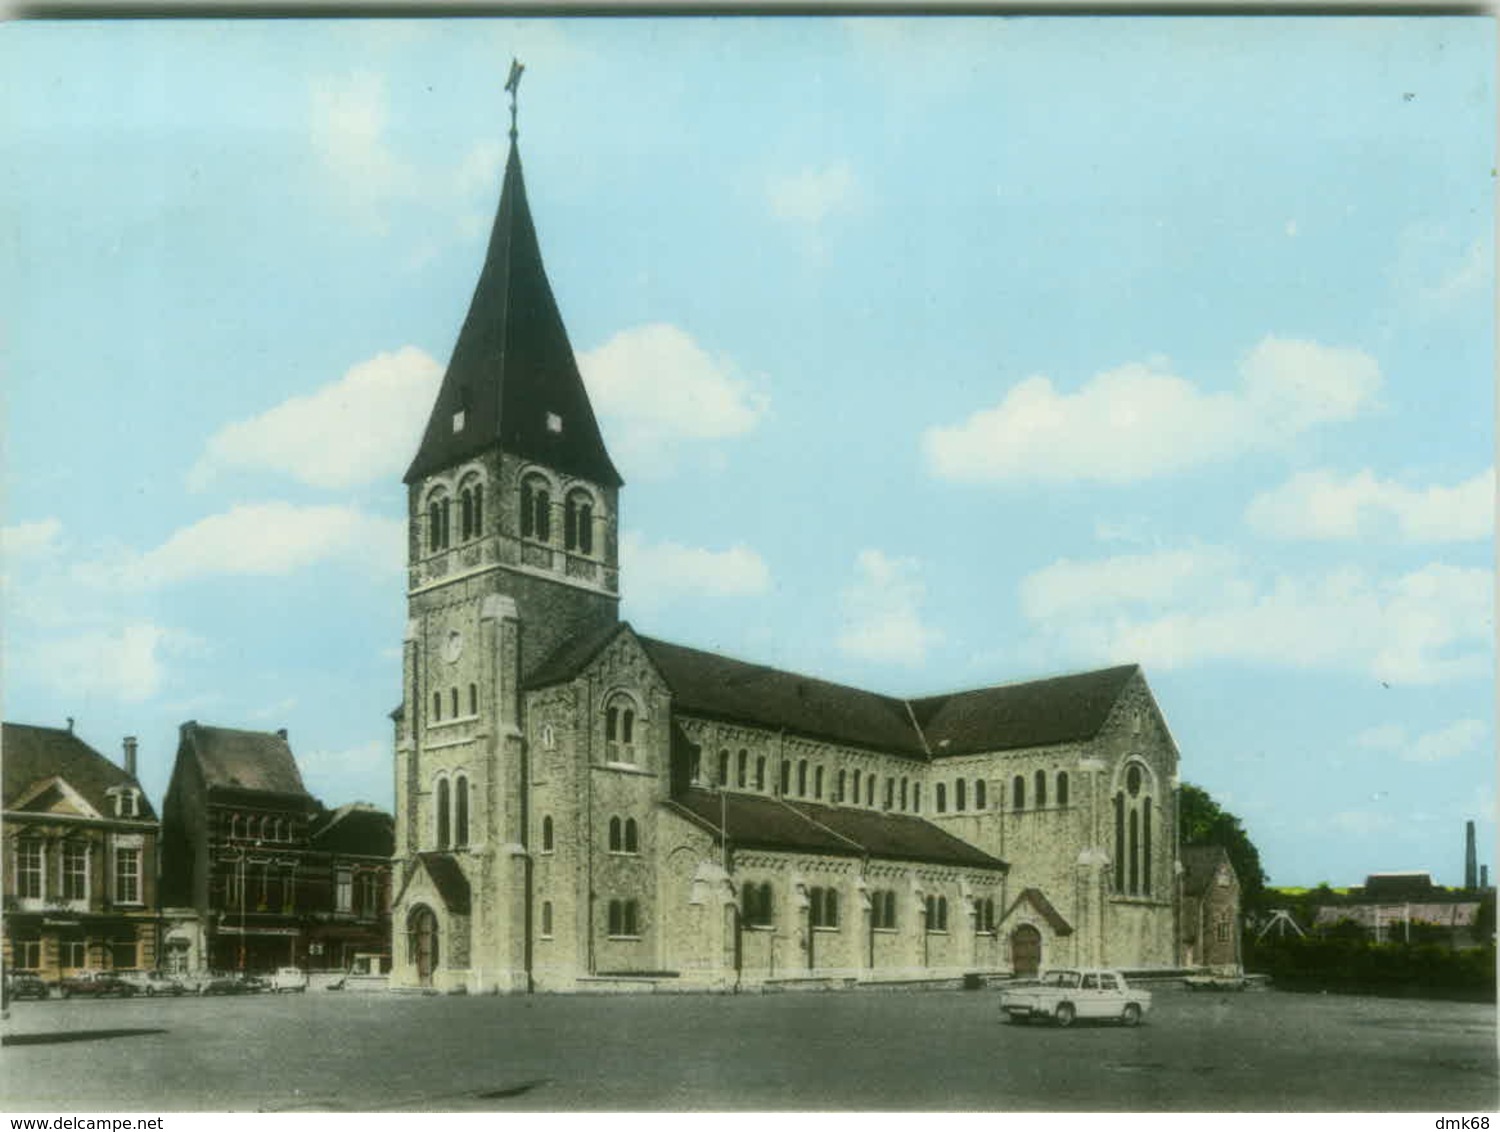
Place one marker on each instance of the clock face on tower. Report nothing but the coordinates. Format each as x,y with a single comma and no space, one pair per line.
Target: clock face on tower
453,646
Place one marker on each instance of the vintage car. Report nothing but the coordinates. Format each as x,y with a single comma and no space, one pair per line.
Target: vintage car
95,984
220,982
153,983
289,979
1065,995
25,984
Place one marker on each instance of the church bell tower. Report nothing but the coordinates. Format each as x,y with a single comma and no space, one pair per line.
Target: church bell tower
512,552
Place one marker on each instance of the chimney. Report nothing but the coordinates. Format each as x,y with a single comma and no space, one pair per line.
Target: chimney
1484,876
130,755
1470,857
70,725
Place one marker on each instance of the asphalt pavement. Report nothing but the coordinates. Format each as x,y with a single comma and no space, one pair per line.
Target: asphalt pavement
864,1050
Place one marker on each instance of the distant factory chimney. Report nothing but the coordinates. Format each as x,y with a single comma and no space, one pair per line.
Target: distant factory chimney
130,755
70,725
1471,870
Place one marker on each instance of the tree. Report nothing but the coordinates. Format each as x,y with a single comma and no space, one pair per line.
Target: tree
1201,821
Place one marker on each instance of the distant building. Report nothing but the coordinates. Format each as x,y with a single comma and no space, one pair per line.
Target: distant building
80,855
577,802
1210,908
1406,907
256,874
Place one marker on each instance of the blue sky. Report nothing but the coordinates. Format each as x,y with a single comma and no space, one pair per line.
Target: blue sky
936,353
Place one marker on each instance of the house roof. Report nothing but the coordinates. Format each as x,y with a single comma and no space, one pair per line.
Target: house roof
754,821
1398,886
356,828
1448,914
1043,907
31,755
231,759
512,367
1200,863
1033,713
449,880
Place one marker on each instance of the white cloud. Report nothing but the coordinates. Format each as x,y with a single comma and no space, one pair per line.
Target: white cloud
361,428
1464,737
656,574
1436,271
356,773
1175,608
1139,420
882,611
348,128
810,196
1323,505
124,664
662,390
23,539
264,539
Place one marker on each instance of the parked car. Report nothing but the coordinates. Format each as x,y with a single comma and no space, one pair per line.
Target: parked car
254,984
153,983
95,984
1065,995
220,982
25,984
289,979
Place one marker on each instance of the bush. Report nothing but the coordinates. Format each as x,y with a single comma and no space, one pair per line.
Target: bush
1342,963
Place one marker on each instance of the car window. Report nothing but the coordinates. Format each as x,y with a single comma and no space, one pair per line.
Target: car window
1107,982
1091,982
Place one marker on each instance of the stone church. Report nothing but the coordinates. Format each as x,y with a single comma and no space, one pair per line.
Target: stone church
579,805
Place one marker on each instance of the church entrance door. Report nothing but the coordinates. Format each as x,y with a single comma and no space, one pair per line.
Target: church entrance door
1025,950
422,930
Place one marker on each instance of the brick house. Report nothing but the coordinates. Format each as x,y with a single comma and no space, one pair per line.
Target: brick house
577,802
80,843
255,873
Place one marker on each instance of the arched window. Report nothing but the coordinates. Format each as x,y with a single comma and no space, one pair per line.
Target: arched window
623,916
903,795
840,783
1133,863
818,782
460,812
616,836
695,766
473,699
465,515
756,909
890,793
546,917
802,778
1018,793
478,509
960,795
1062,788
742,768
547,834
883,910
453,699
619,730
437,707
984,918
234,825
536,509
723,768
438,514
937,913
760,772
855,798
870,790
578,522
823,908
916,797
979,794
940,792
632,836
786,777
442,813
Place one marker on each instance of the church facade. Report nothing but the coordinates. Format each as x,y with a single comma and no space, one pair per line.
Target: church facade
582,806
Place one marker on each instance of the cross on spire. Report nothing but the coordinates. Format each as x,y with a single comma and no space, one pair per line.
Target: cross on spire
512,85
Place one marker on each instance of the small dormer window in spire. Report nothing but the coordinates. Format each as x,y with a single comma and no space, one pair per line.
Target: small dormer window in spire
554,422
458,421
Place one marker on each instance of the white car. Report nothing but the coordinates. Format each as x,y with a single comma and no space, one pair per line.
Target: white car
1065,995
288,979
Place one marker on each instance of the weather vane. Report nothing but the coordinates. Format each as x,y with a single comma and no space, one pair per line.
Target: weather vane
512,85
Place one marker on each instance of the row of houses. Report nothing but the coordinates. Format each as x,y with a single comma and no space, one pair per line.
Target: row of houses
243,869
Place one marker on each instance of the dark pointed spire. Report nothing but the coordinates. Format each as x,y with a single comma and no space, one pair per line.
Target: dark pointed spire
513,381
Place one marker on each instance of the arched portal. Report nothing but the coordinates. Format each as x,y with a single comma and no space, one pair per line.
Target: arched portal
422,942
1025,950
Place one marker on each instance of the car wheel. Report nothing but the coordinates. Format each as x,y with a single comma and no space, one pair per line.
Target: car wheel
1132,1015
1065,1014
1019,1019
